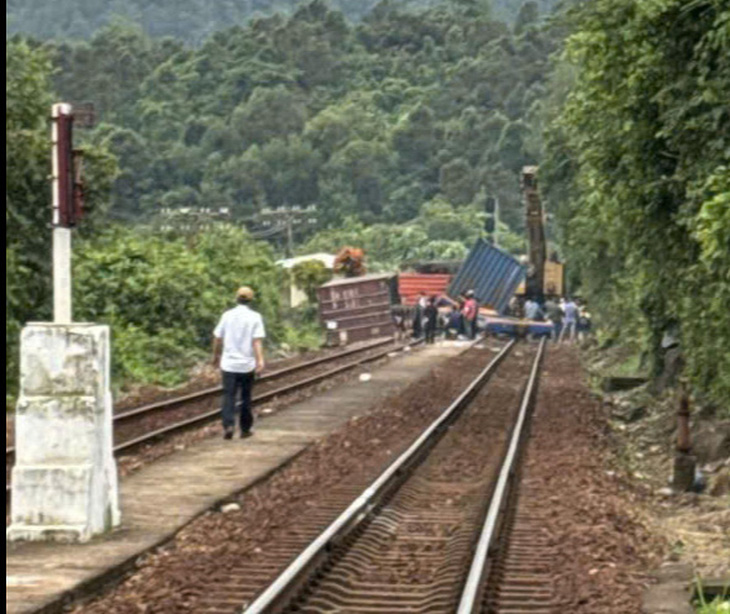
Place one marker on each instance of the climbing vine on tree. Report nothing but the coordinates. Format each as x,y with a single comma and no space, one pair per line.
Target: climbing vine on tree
638,158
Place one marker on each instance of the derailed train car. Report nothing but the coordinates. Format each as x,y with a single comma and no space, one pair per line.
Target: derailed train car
495,276
358,308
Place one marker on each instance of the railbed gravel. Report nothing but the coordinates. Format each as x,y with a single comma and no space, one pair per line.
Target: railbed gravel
174,578
597,524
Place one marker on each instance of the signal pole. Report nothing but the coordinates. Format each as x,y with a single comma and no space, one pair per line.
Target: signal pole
64,477
63,218
491,225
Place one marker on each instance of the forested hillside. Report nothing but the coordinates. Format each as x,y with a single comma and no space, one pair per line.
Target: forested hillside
192,20
368,121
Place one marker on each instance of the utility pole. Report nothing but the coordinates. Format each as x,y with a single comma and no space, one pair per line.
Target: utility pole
491,224
283,221
190,221
685,463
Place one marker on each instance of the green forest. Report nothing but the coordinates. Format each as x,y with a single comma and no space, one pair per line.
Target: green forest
191,20
395,120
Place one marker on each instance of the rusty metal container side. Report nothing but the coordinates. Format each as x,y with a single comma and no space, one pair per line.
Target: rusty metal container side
410,284
357,308
493,275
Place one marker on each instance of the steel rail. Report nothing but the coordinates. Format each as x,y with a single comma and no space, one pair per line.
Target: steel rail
208,392
266,396
358,510
474,587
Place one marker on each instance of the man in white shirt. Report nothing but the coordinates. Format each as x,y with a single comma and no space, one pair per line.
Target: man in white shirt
238,352
570,320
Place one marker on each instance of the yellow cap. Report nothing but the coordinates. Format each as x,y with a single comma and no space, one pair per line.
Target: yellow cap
244,292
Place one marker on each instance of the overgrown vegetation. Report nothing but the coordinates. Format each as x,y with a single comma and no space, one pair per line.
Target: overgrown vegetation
310,275
638,162
162,295
718,605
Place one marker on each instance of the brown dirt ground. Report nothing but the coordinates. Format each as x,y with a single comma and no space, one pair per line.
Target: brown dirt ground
175,578
695,526
597,521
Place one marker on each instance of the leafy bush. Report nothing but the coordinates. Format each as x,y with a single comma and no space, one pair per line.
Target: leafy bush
163,295
310,275
719,605
301,329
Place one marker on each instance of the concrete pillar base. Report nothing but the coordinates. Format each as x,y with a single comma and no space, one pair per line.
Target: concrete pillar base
64,480
65,534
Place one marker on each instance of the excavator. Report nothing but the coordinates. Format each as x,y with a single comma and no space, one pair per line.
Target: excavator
544,275
535,284
350,262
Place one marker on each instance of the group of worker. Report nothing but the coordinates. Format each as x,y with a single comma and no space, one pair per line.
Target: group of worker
238,338
569,317
459,319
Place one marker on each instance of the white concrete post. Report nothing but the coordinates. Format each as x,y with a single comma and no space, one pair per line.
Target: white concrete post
61,235
64,479
62,275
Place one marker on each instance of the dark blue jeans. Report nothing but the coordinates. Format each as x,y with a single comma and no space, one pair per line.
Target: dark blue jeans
232,383
471,329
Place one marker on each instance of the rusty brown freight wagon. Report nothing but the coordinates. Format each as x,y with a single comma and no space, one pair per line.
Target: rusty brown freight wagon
358,308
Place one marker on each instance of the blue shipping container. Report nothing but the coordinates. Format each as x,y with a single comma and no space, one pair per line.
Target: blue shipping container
493,275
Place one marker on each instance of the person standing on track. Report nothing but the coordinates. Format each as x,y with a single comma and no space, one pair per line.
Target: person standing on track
238,352
431,313
470,312
570,320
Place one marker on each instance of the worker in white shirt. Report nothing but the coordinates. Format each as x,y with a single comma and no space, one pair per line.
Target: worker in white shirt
238,352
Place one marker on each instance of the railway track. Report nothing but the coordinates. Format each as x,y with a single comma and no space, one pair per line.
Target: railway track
176,416
428,535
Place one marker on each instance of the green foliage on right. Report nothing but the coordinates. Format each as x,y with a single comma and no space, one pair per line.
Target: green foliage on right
639,160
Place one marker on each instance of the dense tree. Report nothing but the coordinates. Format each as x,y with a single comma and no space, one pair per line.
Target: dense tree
369,121
194,20
162,298
394,127
639,160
